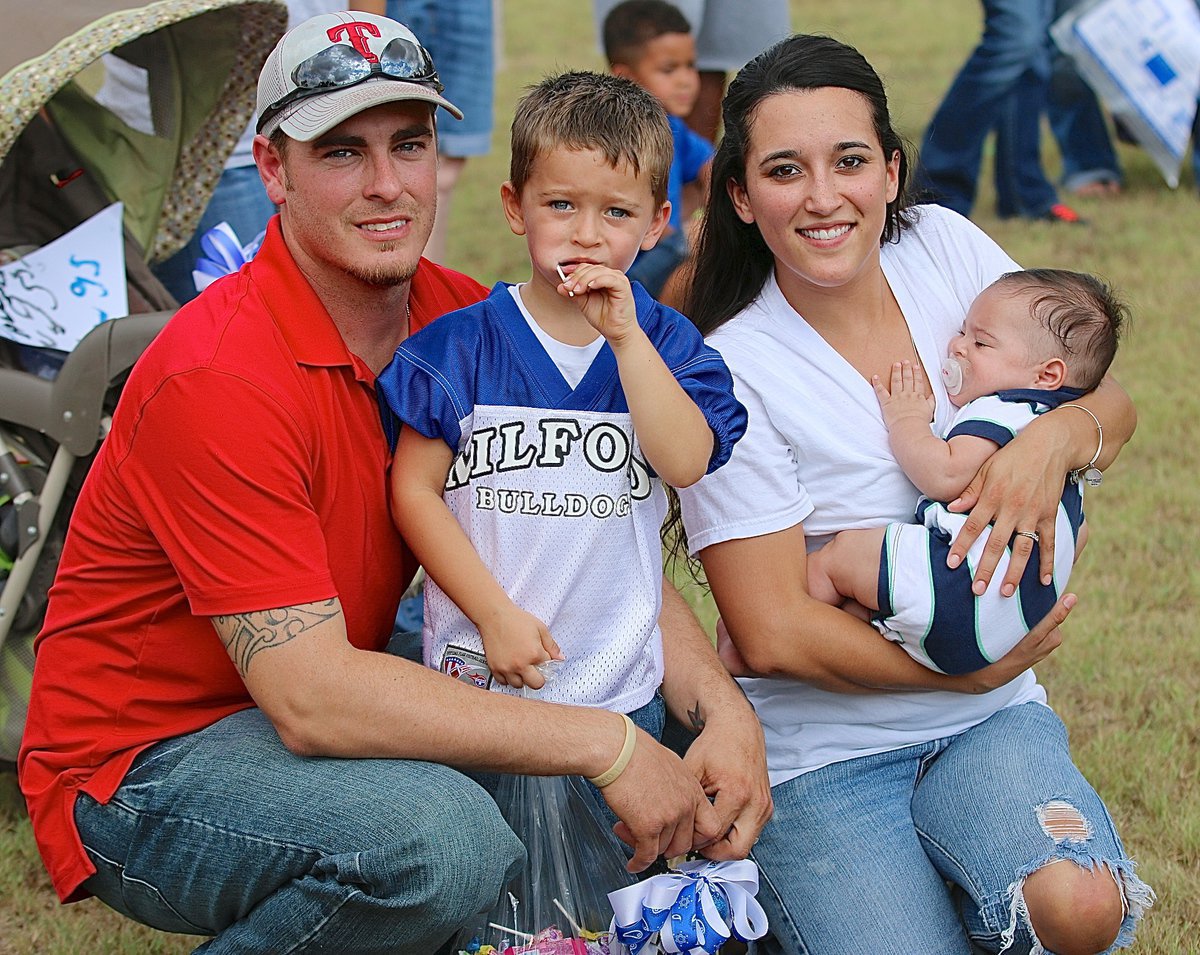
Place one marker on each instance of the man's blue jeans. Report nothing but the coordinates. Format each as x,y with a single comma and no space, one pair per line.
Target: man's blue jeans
225,833
1002,86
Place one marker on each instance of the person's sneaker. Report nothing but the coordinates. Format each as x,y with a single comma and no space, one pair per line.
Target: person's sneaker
1060,212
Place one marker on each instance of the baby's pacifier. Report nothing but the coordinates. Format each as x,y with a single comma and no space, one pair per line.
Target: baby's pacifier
952,376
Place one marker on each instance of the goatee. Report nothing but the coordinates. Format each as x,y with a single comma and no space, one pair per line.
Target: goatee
384,276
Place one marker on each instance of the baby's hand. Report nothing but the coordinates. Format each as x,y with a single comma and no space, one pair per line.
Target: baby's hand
909,396
515,642
605,298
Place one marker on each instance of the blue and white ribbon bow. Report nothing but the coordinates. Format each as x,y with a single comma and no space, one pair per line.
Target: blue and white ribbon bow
692,910
221,254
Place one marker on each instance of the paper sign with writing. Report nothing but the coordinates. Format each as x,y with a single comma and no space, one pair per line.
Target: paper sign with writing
55,295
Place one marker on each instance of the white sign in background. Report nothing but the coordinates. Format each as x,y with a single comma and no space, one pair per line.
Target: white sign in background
1142,57
55,295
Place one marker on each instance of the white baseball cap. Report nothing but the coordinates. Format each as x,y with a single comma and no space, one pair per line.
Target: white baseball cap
335,65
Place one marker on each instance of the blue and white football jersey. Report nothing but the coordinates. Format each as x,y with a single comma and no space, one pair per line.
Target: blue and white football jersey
551,487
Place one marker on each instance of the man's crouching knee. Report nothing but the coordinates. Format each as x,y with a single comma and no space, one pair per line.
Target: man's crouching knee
471,855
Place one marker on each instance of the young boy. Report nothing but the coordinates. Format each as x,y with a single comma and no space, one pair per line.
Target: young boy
1032,341
557,408
651,43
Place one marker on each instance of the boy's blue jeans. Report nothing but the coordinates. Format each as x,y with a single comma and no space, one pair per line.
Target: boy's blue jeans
225,833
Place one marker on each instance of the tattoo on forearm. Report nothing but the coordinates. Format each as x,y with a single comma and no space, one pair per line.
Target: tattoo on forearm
697,717
245,634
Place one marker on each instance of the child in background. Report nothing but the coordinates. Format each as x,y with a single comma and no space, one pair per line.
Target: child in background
1032,341
651,43
539,425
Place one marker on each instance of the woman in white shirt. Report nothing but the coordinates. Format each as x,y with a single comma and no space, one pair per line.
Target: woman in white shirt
912,810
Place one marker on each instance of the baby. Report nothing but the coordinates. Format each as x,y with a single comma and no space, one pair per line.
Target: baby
1032,341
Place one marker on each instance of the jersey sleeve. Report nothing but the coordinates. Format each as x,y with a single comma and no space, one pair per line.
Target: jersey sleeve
221,474
991,418
427,385
704,376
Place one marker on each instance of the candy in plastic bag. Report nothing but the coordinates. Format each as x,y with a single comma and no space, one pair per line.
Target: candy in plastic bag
558,904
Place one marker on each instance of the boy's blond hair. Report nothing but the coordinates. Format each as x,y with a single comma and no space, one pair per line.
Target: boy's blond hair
584,110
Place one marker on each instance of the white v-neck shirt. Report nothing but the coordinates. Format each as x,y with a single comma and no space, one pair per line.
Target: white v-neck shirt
816,451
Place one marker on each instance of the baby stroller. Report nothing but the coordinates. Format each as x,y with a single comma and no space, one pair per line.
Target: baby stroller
100,101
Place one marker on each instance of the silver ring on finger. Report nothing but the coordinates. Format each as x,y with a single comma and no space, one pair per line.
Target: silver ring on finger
1032,535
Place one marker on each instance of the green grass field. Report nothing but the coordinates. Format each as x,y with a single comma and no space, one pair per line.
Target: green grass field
1127,680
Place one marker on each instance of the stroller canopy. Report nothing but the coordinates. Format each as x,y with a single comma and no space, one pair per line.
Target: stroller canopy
151,98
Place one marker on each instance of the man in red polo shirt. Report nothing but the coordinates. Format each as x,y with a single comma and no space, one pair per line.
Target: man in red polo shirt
214,743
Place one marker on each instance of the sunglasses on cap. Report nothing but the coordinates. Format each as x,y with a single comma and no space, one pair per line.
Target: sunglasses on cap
341,65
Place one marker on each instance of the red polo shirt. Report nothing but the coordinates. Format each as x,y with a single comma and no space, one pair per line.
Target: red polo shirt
245,470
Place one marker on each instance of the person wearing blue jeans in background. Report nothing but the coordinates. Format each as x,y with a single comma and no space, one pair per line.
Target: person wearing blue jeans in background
1089,162
1001,87
460,35
1090,166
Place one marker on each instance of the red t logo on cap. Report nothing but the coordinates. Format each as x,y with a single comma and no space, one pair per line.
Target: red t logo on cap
356,32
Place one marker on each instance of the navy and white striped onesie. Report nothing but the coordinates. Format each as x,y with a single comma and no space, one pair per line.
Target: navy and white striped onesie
927,607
